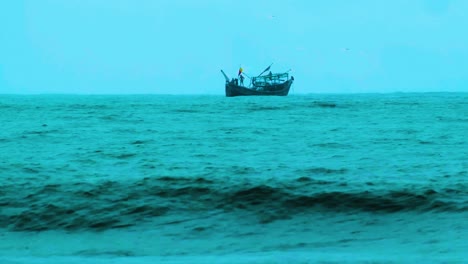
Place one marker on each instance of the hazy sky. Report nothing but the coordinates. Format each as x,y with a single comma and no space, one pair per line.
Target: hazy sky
179,46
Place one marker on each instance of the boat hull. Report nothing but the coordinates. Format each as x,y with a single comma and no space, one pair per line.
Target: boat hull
274,90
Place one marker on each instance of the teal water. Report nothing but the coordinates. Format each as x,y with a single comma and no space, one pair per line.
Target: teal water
184,179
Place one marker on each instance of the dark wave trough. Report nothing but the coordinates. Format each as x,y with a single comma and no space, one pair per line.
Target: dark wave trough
112,204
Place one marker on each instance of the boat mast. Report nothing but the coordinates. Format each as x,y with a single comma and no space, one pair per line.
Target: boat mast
268,68
225,76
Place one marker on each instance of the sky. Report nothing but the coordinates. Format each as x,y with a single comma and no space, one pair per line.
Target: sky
180,46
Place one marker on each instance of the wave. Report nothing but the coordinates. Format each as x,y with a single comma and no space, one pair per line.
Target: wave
321,170
313,104
325,104
109,205
268,108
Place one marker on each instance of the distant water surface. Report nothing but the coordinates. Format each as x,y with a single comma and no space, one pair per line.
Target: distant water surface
310,178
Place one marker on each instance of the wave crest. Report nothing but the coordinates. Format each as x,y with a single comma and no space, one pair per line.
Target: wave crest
110,204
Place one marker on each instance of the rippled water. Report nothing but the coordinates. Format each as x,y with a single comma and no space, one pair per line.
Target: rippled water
254,179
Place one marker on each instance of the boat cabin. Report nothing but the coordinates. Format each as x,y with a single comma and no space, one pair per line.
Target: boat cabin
269,79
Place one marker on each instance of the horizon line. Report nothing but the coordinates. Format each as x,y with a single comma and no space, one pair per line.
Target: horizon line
222,94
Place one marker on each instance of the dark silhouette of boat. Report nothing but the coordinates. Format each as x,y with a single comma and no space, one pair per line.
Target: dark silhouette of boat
268,84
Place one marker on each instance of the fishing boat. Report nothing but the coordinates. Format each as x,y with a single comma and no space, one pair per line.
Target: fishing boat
264,84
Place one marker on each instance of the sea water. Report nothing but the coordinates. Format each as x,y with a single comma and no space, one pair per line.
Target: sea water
210,179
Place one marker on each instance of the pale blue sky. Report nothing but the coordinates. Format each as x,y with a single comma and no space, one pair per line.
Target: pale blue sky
179,46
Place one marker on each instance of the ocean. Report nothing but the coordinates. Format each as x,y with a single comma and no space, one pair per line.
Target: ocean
363,178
